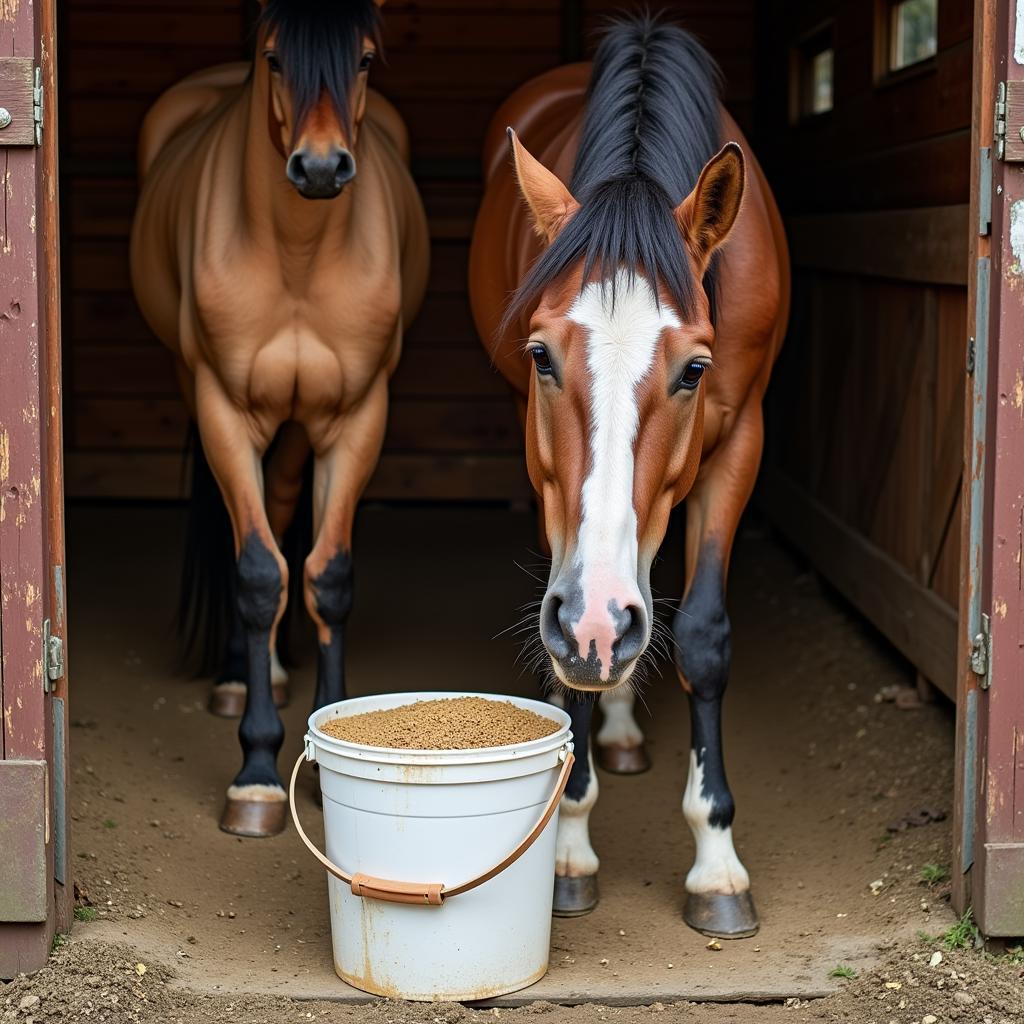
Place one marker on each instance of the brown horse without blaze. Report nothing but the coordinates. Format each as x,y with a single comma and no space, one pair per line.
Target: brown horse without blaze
650,300
286,318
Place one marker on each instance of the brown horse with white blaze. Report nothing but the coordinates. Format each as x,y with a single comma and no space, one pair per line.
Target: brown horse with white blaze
279,249
651,292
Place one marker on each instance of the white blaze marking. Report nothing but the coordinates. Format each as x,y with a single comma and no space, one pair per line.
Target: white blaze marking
716,867
622,338
619,728
574,856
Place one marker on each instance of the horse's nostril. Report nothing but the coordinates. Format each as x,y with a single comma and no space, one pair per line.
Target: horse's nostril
631,639
555,629
296,171
346,169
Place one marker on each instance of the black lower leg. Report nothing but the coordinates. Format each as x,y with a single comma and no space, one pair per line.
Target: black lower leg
332,590
580,710
259,596
703,653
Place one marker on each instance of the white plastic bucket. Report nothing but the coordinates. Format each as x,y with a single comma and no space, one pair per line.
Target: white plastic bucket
435,819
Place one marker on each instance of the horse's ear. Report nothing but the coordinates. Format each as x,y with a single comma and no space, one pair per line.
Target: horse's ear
707,214
551,203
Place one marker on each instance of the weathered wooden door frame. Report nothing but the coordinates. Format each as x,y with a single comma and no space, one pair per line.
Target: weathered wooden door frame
36,889
989,819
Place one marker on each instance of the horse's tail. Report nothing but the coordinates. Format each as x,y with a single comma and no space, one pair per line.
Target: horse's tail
207,593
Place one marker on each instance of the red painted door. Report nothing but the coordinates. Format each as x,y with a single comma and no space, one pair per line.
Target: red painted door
35,883
989,837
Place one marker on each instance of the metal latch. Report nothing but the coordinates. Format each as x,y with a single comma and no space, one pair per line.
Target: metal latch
53,657
981,652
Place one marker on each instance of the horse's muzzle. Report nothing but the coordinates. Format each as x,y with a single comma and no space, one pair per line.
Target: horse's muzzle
321,176
592,647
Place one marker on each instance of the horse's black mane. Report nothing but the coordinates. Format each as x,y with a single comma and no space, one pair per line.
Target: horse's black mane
651,123
320,44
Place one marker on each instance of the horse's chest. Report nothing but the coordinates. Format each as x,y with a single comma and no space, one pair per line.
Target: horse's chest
314,354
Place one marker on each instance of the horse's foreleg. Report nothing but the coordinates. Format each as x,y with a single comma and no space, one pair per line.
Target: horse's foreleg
718,900
341,472
256,800
619,741
283,476
576,863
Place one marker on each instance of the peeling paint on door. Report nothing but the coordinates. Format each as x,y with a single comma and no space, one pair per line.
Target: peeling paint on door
1017,234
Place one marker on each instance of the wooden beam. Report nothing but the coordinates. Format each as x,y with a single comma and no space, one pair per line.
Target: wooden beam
159,476
915,619
928,245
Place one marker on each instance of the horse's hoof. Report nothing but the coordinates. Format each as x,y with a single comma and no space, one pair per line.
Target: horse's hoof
622,760
721,916
574,895
255,811
227,700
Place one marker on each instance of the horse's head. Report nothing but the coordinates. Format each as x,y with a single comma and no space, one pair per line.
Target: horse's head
312,59
621,337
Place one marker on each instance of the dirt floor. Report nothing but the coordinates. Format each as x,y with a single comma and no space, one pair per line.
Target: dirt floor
182,922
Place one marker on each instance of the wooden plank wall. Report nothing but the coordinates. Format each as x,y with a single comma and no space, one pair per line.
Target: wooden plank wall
865,415
452,432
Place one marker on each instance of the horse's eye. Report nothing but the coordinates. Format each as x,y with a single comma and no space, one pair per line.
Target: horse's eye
366,61
691,376
542,360
273,63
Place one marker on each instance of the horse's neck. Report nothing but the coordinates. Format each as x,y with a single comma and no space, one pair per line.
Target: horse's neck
274,213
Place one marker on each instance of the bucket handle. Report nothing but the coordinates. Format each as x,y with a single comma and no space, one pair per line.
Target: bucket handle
427,893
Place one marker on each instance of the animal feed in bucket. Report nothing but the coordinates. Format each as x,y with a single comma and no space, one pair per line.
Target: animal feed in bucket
458,723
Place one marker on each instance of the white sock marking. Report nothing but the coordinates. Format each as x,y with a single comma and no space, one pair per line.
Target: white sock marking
619,728
716,867
574,856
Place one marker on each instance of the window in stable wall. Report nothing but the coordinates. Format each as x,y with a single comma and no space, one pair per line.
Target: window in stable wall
813,75
912,33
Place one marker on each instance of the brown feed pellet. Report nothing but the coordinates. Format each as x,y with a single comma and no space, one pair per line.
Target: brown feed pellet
459,723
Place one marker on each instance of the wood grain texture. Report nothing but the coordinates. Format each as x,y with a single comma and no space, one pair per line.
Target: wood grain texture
925,244
17,78
918,622
863,413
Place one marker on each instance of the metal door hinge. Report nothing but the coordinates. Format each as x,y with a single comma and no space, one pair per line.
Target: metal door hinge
53,657
37,105
981,652
1008,121
999,121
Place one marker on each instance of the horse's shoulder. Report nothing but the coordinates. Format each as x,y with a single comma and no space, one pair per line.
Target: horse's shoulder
184,103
